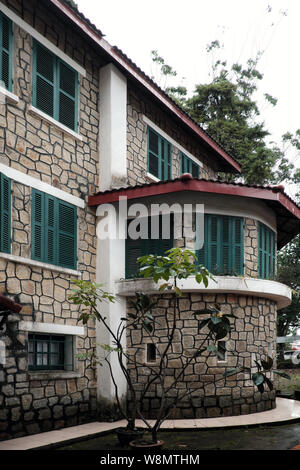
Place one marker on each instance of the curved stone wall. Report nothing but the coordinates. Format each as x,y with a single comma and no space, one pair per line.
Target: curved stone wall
253,336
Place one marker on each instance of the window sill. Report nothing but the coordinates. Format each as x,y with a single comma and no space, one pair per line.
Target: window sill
152,177
39,264
9,96
55,123
51,375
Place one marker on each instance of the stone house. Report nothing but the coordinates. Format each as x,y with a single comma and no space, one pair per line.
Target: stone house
81,126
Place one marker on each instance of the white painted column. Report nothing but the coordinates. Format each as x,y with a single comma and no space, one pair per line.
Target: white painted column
113,128
111,251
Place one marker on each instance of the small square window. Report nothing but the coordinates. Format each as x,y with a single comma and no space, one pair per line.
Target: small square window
151,353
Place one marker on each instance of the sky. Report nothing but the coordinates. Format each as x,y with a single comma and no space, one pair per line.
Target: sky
180,32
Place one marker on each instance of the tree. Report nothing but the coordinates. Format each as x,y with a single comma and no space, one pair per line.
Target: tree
227,109
289,273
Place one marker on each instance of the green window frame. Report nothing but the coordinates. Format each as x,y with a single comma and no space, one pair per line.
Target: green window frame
159,156
223,249
5,214
187,165
6,51
46,352
55,87
54,230
142,247
266,252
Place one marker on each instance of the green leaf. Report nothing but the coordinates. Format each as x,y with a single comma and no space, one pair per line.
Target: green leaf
282,374
163,286
204,311
231,372
261,388
215,320
267,365
203,323
269,383
177,291
258,378
212,348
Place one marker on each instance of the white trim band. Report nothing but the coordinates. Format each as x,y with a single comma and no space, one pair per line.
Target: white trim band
39,264
9,96
27,180
172,141
39,37
54,122
272,290
51,328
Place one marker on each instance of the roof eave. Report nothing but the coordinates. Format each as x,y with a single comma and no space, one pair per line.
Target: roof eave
227,162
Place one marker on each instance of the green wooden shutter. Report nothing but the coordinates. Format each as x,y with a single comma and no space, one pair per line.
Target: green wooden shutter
238,246
153,153
44,79
266,252
134,249
189,166
50,229
6,51
213,243
5,214
67,235
37,225
67,95
160,245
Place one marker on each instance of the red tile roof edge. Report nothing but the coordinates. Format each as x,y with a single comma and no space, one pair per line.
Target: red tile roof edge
122,60
187,178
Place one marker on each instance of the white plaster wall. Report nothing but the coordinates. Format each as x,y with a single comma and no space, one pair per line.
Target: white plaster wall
112,133
111,252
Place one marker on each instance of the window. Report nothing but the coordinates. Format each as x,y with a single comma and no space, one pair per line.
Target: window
5,211
151,352
266,252
55,87
54,230
50,352
223,250
141,247
189,166
6,51
159,156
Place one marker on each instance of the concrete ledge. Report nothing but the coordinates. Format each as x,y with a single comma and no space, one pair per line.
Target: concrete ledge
271,290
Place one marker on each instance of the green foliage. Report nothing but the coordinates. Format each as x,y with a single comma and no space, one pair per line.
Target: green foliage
89,294
227,109
142,304
288,272
218,323
175,264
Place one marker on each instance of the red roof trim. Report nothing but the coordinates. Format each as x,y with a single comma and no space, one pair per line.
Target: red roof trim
117,57
9,304
190,184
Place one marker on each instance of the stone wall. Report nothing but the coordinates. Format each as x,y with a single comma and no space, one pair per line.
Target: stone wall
29,401
32,402
138,106
253,336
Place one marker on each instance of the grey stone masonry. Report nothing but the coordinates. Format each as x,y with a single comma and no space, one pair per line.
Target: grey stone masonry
137,140
32,402
252,336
